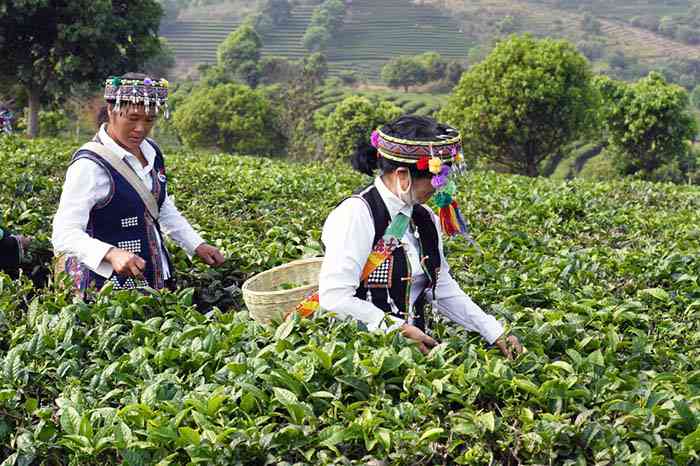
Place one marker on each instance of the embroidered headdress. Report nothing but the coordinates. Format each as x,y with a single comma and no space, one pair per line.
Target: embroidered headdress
443,157
147,92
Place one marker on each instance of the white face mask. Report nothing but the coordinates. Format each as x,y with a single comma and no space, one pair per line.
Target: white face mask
408,196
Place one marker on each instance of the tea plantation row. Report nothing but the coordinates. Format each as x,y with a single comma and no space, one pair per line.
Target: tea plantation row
600,281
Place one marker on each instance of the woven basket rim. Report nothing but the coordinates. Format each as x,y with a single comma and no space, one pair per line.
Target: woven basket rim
245,289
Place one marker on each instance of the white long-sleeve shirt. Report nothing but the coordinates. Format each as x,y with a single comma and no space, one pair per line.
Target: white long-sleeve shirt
86,185
348,235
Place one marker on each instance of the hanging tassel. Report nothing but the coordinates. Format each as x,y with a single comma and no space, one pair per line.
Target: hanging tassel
453,223
448,220
464,227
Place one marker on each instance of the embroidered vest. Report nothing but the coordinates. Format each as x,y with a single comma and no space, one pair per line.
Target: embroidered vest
390,283
122,220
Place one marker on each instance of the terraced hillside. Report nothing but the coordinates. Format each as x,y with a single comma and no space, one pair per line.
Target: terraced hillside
479,19
625,10
373,33
195,40
376,31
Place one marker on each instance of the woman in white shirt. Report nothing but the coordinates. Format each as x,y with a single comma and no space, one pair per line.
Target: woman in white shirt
104,226
384,264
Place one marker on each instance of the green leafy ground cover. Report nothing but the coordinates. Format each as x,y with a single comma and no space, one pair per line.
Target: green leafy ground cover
600,281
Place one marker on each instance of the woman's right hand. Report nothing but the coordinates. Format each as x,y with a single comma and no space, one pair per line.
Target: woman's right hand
425,342
126,263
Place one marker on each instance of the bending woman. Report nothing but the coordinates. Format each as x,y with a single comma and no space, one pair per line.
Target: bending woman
115,206
384,263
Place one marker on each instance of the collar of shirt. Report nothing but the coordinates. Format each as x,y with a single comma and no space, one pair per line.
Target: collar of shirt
146,149
391,200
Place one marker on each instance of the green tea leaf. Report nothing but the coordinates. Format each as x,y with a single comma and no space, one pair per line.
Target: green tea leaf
431,434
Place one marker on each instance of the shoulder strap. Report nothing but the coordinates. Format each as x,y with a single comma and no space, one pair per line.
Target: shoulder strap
124,170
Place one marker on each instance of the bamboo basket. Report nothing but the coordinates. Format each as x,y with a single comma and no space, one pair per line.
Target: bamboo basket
262,297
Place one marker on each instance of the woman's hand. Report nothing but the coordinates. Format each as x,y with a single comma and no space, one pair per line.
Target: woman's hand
126,263
210,254
510,346
425,342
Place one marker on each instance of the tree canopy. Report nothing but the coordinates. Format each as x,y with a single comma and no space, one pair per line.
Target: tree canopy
239,54
231,117
404,72
523,103
352,122
76,41
648,123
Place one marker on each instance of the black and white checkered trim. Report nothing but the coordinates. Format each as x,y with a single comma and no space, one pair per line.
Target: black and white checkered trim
129,283
130,222
381,277
131,246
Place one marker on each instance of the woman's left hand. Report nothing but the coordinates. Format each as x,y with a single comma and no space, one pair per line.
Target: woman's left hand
510,346
210,254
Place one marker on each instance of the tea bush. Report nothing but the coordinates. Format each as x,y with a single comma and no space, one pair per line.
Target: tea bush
600,281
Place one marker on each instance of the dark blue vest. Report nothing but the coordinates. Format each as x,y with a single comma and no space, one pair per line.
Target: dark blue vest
122,220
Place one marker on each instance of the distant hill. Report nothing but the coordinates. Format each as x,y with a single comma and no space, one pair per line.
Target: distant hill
483,20
196,38
375,31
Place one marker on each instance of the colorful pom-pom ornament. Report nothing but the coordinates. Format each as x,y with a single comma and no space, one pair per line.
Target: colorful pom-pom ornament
423,163
442,199
438,181
375,139
435,165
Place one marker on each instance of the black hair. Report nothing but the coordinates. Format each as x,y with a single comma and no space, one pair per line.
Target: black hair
102,115
414,127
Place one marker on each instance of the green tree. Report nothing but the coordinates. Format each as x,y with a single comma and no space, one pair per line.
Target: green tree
231,117
404,72
648,124
239,54
316,37
315,68
523,103
352,122
298,99
47,45
435,65
453,73
326,19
